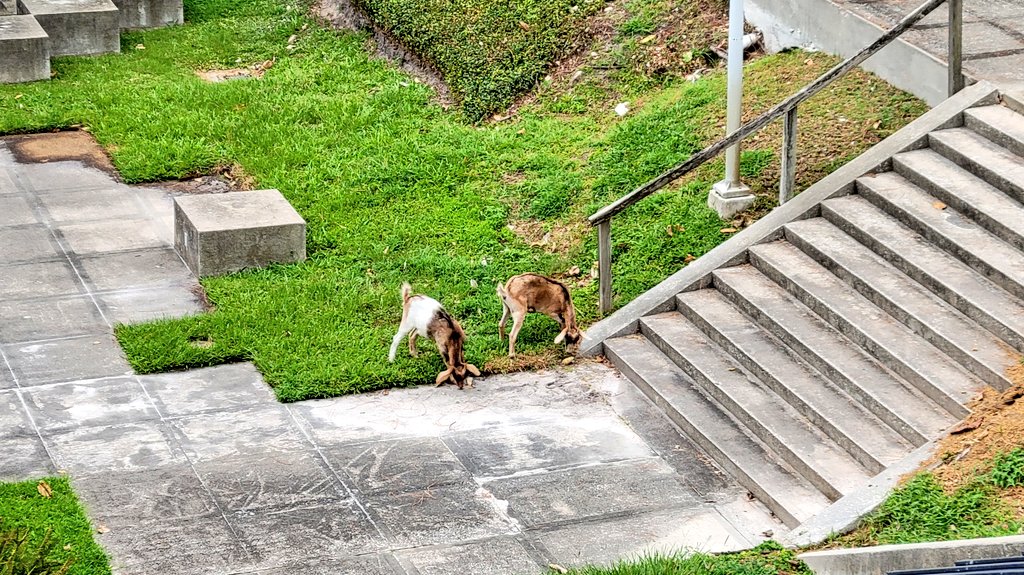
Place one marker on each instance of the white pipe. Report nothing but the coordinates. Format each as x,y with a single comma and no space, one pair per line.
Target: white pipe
735,95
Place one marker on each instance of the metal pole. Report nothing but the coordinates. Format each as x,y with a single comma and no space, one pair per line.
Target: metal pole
956,44
604,265
734,113
787,178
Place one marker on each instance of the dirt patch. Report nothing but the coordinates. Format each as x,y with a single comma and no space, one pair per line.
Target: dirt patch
255,71
553,237
995,426
77,146
344,15
220,180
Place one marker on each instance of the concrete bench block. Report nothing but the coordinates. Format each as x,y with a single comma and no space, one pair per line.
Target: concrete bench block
77,27
24,50
150,13
8,7
223,233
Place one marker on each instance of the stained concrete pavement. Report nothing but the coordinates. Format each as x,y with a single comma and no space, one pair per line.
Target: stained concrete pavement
205,472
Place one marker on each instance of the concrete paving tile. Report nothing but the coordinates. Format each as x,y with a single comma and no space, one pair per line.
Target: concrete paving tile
15,210
440,514
34,320
69,359
14,420
289,535
192,546
559,443
111,236
160,267
285,479
397,466
6,377
7,181
38,279
979,38
62,176
139,306
997,70
89,404
252,431
370,565
503,556
136,446
662,532
24,458
229,387
591,491
106,203
27,243
137,498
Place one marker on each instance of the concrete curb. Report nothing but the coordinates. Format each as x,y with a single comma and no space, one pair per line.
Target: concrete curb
885,558
805,205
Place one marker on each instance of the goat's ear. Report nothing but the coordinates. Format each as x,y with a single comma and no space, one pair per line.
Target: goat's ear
441,377
472,369
561,335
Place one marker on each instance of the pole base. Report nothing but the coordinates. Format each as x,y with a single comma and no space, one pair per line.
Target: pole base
729,198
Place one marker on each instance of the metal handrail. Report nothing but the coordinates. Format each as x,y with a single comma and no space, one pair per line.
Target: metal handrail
788,108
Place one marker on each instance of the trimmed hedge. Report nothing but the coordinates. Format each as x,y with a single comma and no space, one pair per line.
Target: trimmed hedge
487,51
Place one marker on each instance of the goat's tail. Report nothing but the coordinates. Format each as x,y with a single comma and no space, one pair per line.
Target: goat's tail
406,291
502,294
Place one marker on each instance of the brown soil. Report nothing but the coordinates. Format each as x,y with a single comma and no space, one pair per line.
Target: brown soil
61,147
254,71
221,179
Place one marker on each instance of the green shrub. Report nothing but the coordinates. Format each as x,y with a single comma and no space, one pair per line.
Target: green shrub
1008,469
18,556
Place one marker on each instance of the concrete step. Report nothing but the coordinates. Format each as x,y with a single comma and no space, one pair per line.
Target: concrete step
149,13
809,451
982,157
964,192
788,495
947,228
951,279
999,124
77,27
901,297
1013,98
870,441
899,404
24,50
8,8
895,345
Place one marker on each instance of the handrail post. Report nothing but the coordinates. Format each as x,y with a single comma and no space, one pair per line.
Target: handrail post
604,265
954,58
787,177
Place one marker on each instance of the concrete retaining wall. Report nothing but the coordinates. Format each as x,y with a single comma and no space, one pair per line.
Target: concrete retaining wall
884,558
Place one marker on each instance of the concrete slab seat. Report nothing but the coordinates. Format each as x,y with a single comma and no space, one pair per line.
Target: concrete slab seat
149,13
24,50
77,27
223,233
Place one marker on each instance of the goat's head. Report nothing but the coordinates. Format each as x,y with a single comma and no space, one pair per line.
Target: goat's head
460,375
572,336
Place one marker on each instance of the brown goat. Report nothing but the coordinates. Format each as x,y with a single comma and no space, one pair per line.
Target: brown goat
422,315
536,293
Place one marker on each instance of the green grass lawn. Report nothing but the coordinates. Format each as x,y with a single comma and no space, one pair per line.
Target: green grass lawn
23,507
769,558
394,188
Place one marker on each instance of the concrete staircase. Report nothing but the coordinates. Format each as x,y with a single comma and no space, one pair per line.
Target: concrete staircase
33,31
816,354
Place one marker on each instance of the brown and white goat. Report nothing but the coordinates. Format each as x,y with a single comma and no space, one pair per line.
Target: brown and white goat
536,293
423,315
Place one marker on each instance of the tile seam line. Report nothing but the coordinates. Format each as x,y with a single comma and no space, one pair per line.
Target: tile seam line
19,393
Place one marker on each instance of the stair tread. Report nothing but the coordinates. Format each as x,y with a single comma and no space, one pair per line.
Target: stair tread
984,154
844,357
948,224
983,351
1000,121
782,428
831,405
962,189
941,268
875,325
789,495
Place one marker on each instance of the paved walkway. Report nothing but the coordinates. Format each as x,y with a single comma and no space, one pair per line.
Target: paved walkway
993,31
204,472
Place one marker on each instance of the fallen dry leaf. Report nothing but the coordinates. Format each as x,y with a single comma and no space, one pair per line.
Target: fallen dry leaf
689,258
44,489
969,425
524,26
939,205
728,230
101,529
568,360
140,46
557,567
668,231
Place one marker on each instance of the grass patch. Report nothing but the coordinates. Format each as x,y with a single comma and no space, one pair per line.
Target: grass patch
488,51
394,188
55,525
768,558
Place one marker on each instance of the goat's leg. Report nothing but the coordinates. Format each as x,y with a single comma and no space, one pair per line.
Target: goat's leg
412,343
504,318
402,331
517,323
